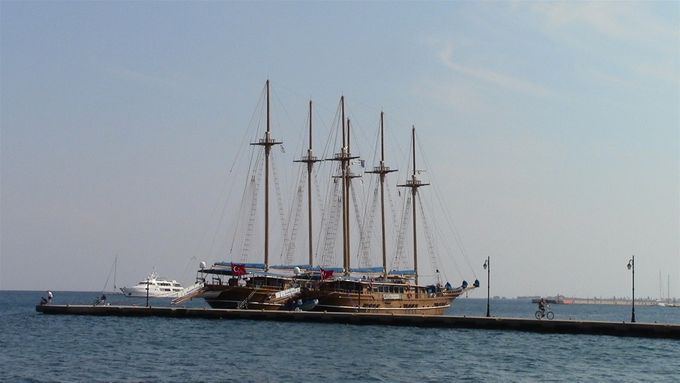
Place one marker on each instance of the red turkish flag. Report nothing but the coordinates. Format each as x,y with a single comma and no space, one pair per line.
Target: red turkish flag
237,269
325,274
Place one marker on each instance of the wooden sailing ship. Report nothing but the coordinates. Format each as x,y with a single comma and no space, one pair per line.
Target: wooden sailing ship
254,286
396,292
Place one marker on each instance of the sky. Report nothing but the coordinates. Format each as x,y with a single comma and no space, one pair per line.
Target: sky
551,130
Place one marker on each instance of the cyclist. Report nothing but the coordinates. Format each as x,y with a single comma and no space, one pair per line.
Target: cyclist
541,306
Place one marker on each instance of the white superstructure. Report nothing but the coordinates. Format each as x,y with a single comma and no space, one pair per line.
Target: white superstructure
158,288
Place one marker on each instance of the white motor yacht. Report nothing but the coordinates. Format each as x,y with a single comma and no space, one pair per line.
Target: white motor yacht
157,288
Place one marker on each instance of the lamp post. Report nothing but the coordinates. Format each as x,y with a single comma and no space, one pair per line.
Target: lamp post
631,266
147,292
487,267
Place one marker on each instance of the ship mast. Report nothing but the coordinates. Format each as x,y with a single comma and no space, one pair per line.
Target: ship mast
347,178
309,159
382,170
414,183
267,142
344,152
345,157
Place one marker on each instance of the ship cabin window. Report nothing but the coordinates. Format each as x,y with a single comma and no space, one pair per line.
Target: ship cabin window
176,285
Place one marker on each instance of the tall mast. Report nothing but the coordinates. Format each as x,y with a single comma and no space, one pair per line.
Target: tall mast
347,193
310,159
414,183
382,170
348,182
115,270
344,157
267,142
343,163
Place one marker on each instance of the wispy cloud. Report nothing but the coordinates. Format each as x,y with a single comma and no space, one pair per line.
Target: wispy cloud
492,77
629,20
600,16
651,39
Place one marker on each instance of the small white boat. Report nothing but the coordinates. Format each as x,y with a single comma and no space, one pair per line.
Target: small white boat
157,288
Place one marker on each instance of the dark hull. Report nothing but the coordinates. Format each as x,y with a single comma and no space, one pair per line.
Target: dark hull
363,298
279,295
228,297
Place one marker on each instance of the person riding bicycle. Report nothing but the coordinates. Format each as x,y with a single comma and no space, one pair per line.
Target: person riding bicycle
541,306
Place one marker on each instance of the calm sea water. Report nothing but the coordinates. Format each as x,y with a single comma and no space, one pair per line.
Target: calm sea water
42,348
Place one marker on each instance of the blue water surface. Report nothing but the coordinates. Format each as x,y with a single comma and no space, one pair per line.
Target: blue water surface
55,348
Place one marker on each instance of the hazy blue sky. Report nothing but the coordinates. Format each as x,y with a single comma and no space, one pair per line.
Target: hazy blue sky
552,127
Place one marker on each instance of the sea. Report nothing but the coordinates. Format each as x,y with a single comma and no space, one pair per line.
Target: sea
62,348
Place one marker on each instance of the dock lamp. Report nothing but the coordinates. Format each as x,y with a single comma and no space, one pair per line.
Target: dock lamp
487,267
631,266
147,292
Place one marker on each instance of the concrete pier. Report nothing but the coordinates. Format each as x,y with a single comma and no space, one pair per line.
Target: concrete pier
651,330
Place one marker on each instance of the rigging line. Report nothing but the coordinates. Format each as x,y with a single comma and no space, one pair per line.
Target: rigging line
357,215
325,129
393,142
332,139
317,187
393,212
289,237
297,206
109,276
222,209
186,267
256,121
449,249
277,191
367,234
331,224
287,226
320,203
302,132
239,154
254,187
447,214
253,163
252,166
427,205
432,248
400,254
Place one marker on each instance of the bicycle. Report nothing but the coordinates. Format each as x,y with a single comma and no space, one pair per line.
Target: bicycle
545,313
